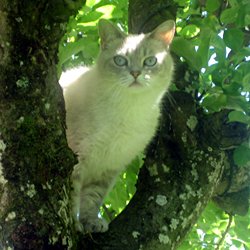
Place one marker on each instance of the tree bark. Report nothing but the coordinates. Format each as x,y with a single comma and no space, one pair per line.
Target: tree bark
35,160
188,163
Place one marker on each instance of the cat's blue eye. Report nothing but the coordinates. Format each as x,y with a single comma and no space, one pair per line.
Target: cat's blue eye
120,61
150,61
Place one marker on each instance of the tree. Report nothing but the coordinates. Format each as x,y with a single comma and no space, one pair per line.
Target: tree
200,152
35,160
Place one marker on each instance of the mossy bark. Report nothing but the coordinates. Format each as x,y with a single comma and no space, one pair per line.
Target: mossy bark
35,160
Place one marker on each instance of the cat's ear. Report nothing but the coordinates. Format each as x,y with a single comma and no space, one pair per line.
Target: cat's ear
108,32
164,32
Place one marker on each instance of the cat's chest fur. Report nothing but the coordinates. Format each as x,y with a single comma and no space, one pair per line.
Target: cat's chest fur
108,126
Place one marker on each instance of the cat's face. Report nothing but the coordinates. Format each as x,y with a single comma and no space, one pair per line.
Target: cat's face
136,61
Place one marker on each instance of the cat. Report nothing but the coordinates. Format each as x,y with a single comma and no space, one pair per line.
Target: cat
112,112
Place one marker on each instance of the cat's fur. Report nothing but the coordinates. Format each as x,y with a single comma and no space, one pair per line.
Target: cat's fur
113,111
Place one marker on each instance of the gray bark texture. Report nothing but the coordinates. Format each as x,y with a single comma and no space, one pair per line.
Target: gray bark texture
188,163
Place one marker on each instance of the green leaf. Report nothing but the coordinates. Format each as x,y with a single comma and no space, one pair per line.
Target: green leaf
234,38
246,82
240,55
242,227
237,103
234,3
247,19
212,5
242,155
203,51
219,47
118,196
238,116
189,31
243,14
229,15
85,44
215,102
185,49
101,3
90,17
90,2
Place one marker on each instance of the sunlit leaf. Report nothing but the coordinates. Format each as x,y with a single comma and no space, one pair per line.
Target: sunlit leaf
185,49
90,17
190,31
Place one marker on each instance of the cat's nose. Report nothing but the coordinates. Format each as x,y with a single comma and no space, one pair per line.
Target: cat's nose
135,73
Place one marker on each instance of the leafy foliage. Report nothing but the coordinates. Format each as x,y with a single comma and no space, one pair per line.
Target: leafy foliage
123,190
80,44
213,41
210,227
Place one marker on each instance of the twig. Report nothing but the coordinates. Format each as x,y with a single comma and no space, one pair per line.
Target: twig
223,236
107,212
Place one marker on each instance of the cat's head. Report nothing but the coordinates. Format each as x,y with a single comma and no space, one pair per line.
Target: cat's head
136,61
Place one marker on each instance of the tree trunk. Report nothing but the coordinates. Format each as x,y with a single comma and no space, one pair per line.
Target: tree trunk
35,160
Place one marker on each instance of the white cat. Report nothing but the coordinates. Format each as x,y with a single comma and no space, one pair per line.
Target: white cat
113,110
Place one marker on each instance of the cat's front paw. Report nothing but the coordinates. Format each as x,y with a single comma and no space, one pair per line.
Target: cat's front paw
94,225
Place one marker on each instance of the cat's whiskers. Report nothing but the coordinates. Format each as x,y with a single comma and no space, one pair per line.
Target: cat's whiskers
125,81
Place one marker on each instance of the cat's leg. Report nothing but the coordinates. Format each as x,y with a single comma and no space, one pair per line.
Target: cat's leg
75,197
88,197
91,198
